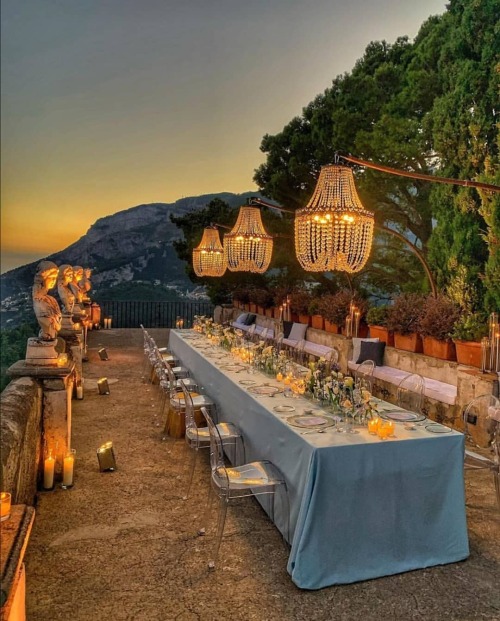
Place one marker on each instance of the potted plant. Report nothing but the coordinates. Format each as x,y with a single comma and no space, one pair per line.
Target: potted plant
241,294
263,299
317,320
336,307
435,324
402,319
467,333
299,305
376,317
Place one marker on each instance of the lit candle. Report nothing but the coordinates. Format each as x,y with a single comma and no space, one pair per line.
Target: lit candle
373,424
357,316
62,360
5,500
485,345
48,471
68,468
110,320
348,327
493,329
79,391
279,376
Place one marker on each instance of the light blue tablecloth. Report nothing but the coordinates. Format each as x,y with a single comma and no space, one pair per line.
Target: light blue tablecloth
360,508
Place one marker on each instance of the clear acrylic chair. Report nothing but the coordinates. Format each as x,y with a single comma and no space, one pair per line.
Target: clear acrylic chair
410,393
332,358
253,479
486,406
363,375
199,437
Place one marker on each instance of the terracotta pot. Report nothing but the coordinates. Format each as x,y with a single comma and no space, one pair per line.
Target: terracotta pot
469,353
269,312
246,307
408,342
333,328
383,334
444,350
294,317
260,310
277,312
305,319
318,322
253,307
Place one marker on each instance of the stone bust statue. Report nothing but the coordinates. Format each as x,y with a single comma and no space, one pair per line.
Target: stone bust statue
46,308
74,285
66,296
85,283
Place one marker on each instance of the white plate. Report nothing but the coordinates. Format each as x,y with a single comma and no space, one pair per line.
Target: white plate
310,422
284,408
437,428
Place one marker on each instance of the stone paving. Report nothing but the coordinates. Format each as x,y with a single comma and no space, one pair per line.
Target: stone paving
124,545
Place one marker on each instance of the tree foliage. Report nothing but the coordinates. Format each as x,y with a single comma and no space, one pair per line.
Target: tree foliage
427,106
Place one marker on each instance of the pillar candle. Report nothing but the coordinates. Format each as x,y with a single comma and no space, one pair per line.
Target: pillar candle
357,316
109,322
79,391
48,472
68,468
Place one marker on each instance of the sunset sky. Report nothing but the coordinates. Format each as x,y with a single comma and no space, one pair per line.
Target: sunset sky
107,104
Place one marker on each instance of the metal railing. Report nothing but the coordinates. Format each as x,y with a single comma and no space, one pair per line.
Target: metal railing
133,313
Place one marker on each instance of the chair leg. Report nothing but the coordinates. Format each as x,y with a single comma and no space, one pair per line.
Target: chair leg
191,473
221,521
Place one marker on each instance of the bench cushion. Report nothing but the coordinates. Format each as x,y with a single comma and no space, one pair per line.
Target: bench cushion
434,389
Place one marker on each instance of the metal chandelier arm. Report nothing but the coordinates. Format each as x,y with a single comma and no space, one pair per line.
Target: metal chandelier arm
415,251
413,175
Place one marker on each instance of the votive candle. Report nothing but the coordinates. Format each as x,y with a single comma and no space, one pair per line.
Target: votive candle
373,424
79,391
5,502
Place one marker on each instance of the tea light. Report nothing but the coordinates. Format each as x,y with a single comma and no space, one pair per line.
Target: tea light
68,469
5,501
373,424
48,471
62,360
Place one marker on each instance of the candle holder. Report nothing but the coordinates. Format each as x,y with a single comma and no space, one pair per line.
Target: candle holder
5,505
103,386
485,350
179,323
103,354
106,457
62,360
68,469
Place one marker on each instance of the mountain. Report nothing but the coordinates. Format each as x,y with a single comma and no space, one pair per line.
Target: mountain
134,244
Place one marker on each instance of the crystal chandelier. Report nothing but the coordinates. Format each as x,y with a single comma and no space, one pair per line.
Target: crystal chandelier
334,231
208,257
248,248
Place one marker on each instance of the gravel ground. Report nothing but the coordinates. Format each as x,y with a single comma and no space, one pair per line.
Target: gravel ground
124,545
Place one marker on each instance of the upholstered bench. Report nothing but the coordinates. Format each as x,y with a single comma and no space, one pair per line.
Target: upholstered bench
434,389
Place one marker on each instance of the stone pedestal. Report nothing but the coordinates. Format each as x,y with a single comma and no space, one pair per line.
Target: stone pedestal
57,388
39,352
14,538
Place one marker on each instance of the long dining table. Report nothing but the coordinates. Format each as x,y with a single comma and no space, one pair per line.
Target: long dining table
359,507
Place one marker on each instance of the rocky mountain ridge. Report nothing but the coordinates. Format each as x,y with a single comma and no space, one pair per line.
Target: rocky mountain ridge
133,244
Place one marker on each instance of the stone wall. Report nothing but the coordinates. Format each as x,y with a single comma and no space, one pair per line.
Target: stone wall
20,442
